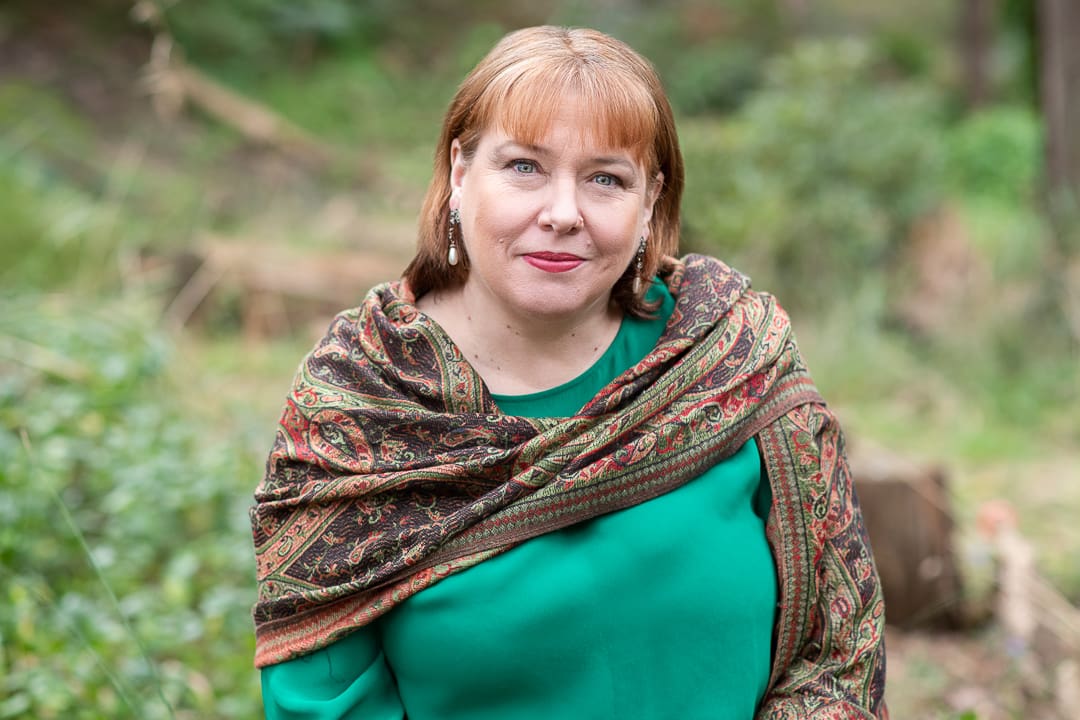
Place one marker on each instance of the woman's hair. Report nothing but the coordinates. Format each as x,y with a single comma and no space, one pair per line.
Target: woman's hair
517,87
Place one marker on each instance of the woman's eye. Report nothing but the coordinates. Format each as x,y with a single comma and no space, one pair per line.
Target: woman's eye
606,180
524,166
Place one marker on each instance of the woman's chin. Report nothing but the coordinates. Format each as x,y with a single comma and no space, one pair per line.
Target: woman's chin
559,304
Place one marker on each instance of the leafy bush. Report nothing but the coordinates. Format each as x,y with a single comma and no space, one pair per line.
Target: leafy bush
994,155
51,231
73,217
125,560
261,32
713,78
50,226
812,185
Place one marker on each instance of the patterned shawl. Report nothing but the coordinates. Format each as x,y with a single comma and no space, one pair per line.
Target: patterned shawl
393,467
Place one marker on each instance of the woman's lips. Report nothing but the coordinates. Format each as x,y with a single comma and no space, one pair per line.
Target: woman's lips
553,262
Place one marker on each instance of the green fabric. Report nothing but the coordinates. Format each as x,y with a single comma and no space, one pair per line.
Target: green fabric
612,617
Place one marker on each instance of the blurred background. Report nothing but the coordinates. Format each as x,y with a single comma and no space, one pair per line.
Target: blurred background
189,189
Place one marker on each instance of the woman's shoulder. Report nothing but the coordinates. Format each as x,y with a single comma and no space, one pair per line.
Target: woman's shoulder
385,306
706,281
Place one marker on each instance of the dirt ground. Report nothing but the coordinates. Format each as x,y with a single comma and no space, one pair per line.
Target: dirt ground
969,676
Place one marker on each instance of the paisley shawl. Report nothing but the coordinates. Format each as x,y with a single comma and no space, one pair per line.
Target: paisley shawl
393,468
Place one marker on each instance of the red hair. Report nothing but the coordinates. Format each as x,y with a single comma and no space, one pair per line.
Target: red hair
517,87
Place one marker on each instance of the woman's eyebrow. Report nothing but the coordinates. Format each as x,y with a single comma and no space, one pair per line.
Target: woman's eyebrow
513,145
615,160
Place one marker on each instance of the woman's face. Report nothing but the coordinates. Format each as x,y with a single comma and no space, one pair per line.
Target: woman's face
549,228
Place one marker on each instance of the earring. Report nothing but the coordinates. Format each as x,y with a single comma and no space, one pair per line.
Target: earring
455,220
638,263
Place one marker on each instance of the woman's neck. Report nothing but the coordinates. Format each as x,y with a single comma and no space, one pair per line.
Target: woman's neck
520,355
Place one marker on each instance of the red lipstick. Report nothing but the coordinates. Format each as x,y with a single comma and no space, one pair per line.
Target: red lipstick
553,262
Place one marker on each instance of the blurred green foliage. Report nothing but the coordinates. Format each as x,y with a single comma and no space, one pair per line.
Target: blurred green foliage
994,154
256,33
344,99
49,233
814,183
124,560
714,78
245,38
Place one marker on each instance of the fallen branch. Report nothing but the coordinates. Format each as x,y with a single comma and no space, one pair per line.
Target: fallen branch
171,82
254,121
274,282
42,359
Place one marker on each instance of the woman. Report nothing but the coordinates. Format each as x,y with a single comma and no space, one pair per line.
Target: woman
554,472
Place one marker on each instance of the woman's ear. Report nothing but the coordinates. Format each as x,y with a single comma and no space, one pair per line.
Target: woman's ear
457,166
651,195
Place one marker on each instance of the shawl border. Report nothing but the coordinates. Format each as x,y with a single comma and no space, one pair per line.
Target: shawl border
829,654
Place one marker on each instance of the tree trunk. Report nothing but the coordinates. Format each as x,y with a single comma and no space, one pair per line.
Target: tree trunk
1059,91
976,35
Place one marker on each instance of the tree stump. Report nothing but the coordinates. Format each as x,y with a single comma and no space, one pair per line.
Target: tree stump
908,516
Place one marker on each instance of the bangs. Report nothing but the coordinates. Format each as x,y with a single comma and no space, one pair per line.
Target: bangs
620,112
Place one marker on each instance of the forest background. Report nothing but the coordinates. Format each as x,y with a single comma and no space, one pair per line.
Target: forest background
189,189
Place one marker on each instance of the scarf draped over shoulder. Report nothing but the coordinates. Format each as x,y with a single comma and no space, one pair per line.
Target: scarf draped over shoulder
393,468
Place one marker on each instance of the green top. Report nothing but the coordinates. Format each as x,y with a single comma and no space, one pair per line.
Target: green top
664,609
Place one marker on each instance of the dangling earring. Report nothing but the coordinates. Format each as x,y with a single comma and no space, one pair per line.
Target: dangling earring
455,220
638,263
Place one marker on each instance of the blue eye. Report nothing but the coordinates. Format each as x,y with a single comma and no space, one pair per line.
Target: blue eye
606,180
524,166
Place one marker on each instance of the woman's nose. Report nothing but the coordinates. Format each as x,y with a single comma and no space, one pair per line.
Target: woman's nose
562,213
